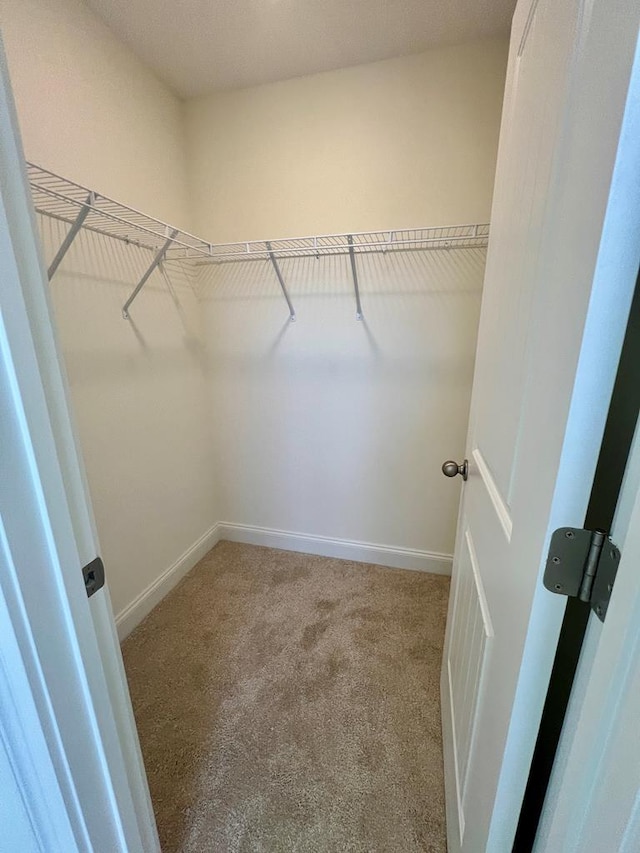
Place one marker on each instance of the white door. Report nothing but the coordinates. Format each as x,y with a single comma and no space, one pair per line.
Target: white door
69,754
561,267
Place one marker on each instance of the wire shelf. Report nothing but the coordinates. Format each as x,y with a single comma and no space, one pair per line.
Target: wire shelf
443,237
80,207
63,199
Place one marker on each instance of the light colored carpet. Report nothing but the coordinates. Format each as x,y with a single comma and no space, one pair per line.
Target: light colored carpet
287,702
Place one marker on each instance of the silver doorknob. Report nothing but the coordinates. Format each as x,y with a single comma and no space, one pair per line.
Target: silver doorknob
451,468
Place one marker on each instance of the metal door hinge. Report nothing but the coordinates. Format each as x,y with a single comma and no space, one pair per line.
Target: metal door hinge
93,574
582,564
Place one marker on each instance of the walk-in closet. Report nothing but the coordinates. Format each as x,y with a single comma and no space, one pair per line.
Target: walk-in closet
264,227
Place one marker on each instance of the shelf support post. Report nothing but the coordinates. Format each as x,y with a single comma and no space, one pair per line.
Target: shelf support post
354,273
154,263
71,235
272,257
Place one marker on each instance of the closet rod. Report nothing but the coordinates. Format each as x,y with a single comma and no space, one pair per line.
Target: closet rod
130,241
292,313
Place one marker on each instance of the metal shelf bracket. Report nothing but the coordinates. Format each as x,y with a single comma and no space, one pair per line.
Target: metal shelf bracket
154,263
71,235
273,260
354,272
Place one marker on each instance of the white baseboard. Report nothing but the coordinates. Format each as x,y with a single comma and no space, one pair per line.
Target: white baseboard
324,546
346,549
134,613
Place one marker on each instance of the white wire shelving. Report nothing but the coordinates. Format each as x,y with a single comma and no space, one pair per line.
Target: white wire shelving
442,237
65,200
80,207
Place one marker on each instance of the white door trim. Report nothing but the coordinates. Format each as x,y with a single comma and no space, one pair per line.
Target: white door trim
593,802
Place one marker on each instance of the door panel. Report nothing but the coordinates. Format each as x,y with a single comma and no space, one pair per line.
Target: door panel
550,325
469,647
527,149
500,506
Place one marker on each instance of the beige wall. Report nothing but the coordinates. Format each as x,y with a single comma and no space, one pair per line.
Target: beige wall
139,398
403,143
337,428
90,110
327,426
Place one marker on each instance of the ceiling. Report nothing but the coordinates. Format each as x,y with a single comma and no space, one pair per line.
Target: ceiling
197,46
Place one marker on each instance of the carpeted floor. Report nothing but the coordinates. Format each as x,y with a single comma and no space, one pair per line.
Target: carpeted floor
287,702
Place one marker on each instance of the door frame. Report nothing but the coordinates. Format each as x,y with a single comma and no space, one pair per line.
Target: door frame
613,462
616,487
72,669
593,798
